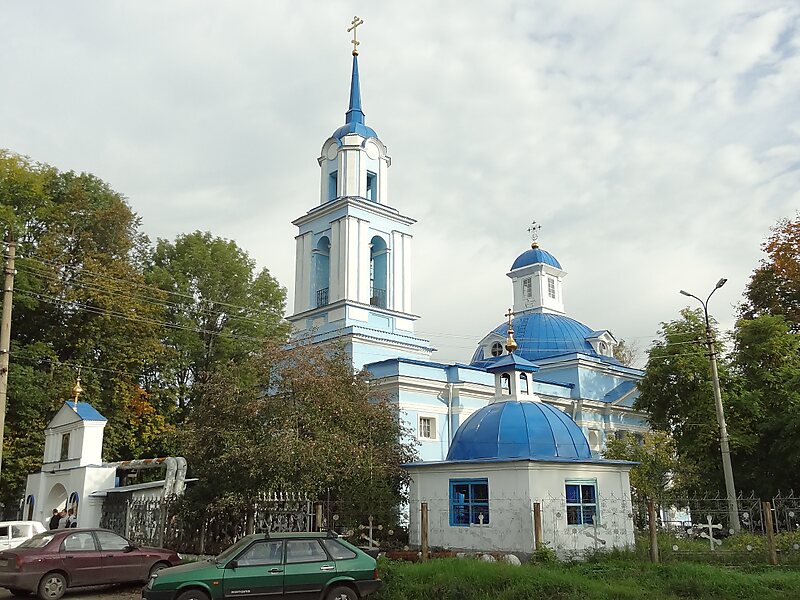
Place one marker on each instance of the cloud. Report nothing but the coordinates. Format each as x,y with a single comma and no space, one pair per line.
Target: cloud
656,142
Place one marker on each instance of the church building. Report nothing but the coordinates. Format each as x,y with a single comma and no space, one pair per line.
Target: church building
353,286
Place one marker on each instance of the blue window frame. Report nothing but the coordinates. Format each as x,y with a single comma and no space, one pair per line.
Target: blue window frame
582,503
469,502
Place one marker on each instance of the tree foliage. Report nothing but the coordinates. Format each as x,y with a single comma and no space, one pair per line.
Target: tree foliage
296,420
774,287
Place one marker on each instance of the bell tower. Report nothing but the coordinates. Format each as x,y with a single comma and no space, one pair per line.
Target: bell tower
353,250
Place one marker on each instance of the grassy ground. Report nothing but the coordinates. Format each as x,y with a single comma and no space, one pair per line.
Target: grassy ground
621,577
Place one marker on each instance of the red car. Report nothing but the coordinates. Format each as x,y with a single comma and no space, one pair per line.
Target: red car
51,562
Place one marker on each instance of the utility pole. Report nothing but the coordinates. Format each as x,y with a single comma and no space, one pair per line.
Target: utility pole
724,443
5,334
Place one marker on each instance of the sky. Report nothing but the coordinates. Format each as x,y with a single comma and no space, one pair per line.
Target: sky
655,142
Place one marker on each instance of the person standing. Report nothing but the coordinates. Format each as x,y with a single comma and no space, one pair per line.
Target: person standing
53,524
72,520
62,521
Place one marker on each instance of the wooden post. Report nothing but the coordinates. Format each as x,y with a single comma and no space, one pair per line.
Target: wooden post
537,524
651,518
318,515
773,552
423,524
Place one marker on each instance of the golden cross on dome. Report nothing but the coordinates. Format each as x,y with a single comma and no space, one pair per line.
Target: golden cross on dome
356,22
508,315
534,231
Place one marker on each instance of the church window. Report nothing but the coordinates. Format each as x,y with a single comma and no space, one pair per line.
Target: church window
321,273
527,288
497,349
64,447
427,428
523,383
581,502
469,502
372,186
31,503
378,271
505,383
551,287
603,347
73,503
333,184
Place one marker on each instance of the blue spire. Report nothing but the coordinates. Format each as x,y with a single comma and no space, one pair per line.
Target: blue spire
354,113
354,117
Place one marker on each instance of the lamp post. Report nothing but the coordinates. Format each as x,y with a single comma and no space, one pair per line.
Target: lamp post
730,488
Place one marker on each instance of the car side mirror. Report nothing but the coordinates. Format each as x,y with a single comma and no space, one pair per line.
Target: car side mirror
232,565
130,548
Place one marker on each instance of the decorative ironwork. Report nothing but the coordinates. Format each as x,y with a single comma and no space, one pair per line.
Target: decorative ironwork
322,297
377,297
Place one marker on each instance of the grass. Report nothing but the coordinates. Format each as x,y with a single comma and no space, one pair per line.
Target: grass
617,576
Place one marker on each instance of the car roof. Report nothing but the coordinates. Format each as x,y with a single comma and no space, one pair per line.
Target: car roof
285,535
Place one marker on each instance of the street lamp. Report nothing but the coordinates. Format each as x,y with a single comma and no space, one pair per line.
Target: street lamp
730,488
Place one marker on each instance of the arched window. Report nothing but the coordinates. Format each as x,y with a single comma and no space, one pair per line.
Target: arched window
523,383
30,503
73,504
378,271
321,273
505,383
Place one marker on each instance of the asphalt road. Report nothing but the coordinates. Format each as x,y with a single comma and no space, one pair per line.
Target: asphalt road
117,592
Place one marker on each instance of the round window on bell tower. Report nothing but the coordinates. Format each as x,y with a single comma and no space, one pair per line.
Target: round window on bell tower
497,349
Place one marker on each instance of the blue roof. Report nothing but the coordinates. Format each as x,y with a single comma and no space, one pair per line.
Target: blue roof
542,335
510,361
354,117
86,412
535,256
519,429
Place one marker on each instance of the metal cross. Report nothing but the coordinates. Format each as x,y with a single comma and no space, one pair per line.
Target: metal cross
509,314
710,535
356,22
534,231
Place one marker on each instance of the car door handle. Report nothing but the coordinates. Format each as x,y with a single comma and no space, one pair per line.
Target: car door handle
109,556
275,571
327,568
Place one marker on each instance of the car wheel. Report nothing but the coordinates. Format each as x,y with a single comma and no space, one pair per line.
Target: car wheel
193,595
52,586
156,568
342,593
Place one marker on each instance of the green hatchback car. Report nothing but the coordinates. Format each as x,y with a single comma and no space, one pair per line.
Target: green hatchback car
301,566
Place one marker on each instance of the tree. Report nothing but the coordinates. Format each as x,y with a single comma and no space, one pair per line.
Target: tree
626,352
296,420
774,287
660,471
80,253
220,309
677,393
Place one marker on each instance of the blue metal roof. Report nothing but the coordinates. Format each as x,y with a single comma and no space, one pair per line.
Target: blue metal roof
86,412
542,335
510,361
535,256
354,117
623,389
519,429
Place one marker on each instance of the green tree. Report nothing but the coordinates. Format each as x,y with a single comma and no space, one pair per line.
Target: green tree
296,420
660,472
626,352
80,253
220,309
774,287
677,393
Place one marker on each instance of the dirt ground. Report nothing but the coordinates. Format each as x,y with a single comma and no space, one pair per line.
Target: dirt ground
117,592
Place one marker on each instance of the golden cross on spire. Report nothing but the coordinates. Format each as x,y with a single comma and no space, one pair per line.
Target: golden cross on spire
534,231
508,315
356,22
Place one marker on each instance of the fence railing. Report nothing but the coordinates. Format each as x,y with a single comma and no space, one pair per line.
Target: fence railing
377,297
322,297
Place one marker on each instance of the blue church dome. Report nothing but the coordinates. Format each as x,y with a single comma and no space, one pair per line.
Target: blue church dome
519,429
535,256
354,117
541,335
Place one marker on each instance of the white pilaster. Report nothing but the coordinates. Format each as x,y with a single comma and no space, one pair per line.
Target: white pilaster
302,280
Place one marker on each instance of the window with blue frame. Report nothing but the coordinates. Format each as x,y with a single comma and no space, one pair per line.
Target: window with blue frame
582,503
469,502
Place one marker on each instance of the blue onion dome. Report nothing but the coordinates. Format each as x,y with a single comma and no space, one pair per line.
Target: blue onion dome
535,256
542,335
519,429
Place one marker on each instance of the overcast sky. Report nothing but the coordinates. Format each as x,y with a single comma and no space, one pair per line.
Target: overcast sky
656,142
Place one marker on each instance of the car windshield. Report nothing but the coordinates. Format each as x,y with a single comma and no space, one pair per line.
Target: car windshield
233,550
38,541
